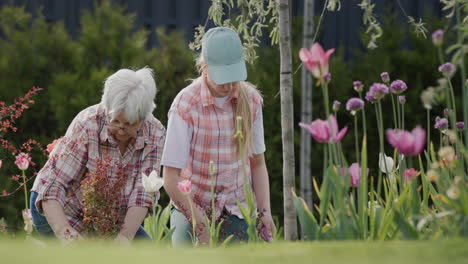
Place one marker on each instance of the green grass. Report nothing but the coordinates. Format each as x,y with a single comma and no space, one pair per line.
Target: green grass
395,252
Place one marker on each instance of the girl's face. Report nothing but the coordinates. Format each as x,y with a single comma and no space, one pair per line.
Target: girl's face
218,90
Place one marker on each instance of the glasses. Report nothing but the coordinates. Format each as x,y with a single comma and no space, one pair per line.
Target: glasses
124,129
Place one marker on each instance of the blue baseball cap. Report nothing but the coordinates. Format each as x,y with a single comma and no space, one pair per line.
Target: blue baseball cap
223,54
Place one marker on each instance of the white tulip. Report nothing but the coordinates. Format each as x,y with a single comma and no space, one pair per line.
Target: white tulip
386,163
152,183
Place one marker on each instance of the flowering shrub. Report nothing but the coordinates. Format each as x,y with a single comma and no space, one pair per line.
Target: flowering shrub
101,200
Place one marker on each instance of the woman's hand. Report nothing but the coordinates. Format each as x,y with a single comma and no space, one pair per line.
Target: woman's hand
68,235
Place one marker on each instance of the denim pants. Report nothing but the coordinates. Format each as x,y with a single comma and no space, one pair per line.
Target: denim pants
43,228
182,236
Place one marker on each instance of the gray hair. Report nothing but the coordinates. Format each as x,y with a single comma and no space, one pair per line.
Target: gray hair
130,92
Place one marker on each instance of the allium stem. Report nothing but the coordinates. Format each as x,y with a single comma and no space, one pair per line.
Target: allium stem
381,141
428,129
363,112
356,141
402,116
395,119
464,85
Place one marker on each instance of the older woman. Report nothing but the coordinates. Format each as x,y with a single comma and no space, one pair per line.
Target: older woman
122,128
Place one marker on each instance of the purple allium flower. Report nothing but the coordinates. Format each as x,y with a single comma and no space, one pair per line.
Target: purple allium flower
379,90
370,96
336,106
402,99
441,123
385,77
358,86
398,86
447,68
460,125
327,77
438,37
354,104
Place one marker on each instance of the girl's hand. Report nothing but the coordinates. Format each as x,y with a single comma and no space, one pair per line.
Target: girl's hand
266,226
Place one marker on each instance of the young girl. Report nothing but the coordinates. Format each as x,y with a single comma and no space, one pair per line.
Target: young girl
201,128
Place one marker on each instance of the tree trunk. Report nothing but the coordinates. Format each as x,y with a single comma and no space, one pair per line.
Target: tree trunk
306,105
287,121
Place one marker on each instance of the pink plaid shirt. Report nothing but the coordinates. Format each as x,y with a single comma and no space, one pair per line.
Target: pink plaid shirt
88,138
212,140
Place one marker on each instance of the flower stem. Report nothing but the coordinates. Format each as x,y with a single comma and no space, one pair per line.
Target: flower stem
194,220
25,191
402,116
428,128
381,140
395,118
364,128
356,141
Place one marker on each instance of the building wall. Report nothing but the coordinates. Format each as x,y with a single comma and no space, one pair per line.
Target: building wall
339,29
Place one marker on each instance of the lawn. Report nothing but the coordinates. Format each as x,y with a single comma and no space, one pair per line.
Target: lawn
443,251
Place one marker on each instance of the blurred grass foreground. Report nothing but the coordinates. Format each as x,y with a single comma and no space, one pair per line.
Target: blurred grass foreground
442,251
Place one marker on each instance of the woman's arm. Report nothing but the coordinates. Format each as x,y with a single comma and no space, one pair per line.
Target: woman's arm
57,220
133,219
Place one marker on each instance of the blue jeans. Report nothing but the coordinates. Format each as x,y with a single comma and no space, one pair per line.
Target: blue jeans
43,228
232,225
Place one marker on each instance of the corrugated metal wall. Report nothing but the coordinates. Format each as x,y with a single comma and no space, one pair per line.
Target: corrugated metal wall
339,29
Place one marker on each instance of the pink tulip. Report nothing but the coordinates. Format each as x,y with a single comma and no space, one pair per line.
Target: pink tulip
22,161
316,60
410,174
325,130
1,163
355,173
185,186
407,143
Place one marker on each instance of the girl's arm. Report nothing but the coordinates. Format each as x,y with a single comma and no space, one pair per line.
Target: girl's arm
261,187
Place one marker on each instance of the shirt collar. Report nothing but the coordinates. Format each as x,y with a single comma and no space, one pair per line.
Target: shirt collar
207,98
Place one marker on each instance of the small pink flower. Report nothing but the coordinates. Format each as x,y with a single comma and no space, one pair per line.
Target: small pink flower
325,130
407,143
316,60
28,224
410,174
355,173
22,161
52,145
185,186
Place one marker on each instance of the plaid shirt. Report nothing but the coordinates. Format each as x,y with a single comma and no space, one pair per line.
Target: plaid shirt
87,139
213,128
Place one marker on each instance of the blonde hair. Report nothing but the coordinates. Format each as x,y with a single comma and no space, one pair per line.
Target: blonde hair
243,108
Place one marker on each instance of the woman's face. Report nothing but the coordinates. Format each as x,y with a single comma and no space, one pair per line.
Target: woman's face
121,129
218,90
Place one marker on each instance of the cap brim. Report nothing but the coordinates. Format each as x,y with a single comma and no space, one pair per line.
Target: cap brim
228,73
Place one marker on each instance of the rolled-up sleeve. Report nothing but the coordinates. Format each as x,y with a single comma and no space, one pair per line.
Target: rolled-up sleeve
65,166
151,161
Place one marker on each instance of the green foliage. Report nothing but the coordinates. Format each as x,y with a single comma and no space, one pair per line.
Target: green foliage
157,225
72,73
